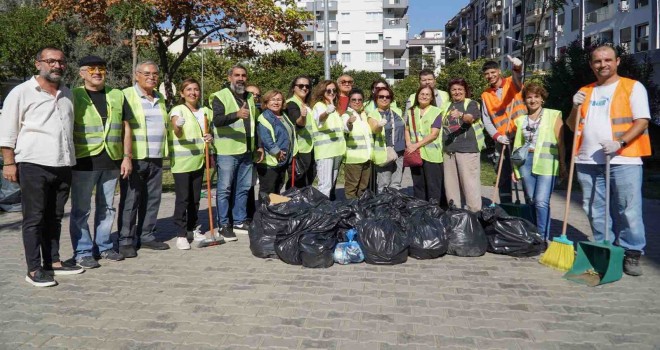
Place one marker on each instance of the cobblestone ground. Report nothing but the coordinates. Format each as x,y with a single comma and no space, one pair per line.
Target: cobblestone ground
223,297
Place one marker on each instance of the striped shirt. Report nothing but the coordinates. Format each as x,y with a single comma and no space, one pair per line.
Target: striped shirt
154,124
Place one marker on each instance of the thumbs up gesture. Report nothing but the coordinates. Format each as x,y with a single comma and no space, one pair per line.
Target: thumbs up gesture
244,112
331,108
515,61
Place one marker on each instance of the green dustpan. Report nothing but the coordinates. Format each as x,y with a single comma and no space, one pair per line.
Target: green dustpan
598,262
518,209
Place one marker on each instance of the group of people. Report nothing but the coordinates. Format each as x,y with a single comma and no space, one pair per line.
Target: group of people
81,142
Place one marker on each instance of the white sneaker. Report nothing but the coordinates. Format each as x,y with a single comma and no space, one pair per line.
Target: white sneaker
182,243
198,235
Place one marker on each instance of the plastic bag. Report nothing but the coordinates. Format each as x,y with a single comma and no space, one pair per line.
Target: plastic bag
510,235
427,236
350,251
383,240
466,236
10,196
315,221
317,249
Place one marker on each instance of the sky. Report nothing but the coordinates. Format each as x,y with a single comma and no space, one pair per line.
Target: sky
432,14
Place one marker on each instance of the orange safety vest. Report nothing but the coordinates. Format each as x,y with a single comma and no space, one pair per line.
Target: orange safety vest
506,110
621,118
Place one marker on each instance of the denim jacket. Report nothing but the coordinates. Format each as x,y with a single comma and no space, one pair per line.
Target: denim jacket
281,142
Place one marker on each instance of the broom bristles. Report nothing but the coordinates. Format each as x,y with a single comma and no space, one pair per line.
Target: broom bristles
560,254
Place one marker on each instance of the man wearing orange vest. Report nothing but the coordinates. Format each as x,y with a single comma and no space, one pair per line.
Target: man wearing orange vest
614,116
501,104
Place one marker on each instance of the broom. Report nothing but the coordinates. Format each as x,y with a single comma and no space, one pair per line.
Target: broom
560,254
209,242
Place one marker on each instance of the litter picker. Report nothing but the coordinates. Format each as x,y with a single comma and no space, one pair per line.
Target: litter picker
208,242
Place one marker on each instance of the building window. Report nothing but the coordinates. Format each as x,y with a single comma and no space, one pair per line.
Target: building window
625,37
642,37
374,16
346,42
575,18
372,41
346,57
641,3
374,56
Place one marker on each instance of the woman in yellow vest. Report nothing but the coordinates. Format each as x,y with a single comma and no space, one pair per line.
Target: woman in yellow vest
329,144
187,159
278,135
463,140
388,127
371,104
359,146
300,114
421,135
541,131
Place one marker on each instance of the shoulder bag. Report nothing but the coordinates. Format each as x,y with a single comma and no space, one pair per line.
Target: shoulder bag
414,159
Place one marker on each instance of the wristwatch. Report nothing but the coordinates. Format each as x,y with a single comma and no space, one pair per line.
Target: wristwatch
623,143
130,156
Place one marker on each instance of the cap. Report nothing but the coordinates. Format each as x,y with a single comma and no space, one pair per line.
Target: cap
91,61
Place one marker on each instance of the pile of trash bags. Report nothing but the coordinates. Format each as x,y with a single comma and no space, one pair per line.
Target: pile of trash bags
310,230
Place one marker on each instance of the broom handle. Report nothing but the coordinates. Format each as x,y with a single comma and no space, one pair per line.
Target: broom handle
496,193
293,170
571,169
208,176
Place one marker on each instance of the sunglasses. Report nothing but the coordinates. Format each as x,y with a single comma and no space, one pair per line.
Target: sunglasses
96,69
303,86
346,82
384,97
330,91
356,100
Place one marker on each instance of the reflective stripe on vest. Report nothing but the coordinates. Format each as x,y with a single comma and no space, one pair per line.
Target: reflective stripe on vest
546,151
621,118
358,141
231,139
270,159
304,135
432,152
329,138
187,151
477,126
90,136
510,107
139,123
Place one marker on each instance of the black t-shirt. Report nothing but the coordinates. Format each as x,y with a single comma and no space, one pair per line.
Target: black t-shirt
459,137
102,161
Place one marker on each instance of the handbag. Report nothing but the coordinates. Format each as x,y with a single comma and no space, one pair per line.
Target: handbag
519,155
414,159
391,153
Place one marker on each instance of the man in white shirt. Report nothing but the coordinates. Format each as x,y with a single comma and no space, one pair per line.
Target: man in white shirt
614,115
36,139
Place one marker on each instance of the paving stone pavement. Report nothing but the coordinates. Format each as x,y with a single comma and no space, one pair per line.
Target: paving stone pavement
223,297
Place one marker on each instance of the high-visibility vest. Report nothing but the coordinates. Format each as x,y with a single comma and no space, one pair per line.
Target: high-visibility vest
139,123
379,155
432,152
477,126
187,151
444,96
358,140
546,151
329,137
270,159
90,136
510,107
304,135
231,139
621,118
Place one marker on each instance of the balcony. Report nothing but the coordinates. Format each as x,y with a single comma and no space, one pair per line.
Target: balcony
601,14
494,52
318,6
517,19
495,29
395,4
394,64
393,23
320,26
494,7
333,47
451,24
398,45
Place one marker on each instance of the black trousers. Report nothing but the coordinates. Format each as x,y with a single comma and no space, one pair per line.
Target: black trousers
44,191
427,181
271,179
304,161
504,186
187,188
139,201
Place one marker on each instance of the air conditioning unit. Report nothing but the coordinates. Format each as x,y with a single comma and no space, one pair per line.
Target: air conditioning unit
624,6
560,29
498,27
626,47
537,12
497,50
498,3
546,33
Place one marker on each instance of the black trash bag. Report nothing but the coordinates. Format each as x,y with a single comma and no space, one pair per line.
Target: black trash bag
370,206
317,249
262,245
309,195
427,236
287,244
466,236
510,235
383,240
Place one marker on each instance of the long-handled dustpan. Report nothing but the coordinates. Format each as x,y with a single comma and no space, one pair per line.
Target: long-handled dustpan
518,209
208,242
598,262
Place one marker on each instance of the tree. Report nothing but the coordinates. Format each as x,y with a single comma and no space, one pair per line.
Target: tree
215,71
468,70
188,23
24,32
544,6
404,88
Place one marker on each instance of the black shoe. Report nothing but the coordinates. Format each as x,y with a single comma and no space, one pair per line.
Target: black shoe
127,251
87,262
155,245
40,279
241,228
631,263
111,255
68,268
228,234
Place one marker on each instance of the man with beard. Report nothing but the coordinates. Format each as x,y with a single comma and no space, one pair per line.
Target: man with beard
37,147
234,115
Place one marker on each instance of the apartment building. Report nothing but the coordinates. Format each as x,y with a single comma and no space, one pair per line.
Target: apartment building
428,48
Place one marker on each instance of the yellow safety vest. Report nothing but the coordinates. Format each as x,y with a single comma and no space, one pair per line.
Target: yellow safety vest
546,151
329,137
139,123
304,135
270,159
358,140
432,152
477,126
187,151
232,139
380,145
90,136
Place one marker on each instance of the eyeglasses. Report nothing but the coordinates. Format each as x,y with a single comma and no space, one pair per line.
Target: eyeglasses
302,86
346,82
149,74
276,100
96,69
330,91
384,97
356,100
51,62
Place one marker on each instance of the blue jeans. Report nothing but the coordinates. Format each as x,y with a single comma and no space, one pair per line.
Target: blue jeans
234,174
625,214
83,183
538,189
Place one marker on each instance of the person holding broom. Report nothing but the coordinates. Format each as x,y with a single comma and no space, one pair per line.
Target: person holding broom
189,132
614,117
540,132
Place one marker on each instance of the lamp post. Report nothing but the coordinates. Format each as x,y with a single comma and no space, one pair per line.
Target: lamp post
326,39
522,53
